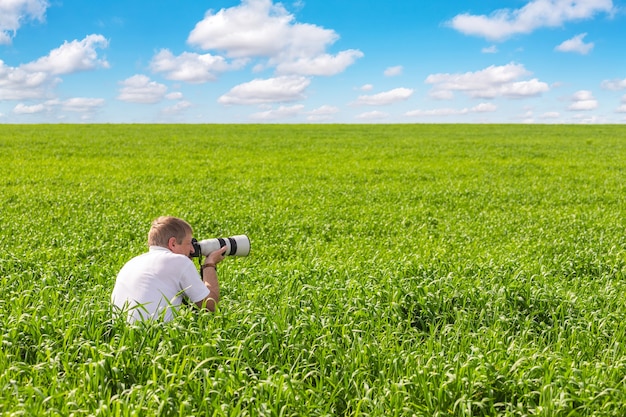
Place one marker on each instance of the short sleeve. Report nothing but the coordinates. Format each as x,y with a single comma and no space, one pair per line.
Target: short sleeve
192,284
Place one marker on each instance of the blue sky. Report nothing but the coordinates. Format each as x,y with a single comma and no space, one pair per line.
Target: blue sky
348,61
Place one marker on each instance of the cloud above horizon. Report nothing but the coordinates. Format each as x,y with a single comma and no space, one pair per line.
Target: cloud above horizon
14,13
385,98
491,82
575,44
260,29
36,80
504,23
263,34
262,91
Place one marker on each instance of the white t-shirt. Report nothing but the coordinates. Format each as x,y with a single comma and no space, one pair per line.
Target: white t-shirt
150,285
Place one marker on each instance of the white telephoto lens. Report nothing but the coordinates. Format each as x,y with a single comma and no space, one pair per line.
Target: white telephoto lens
236,245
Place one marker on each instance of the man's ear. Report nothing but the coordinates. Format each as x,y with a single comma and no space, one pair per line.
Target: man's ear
171,243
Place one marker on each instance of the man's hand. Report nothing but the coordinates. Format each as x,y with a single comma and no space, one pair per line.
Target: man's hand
215,257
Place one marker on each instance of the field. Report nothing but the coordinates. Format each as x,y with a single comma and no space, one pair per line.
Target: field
396,270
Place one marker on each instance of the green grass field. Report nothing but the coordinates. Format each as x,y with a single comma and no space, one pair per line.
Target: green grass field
396,270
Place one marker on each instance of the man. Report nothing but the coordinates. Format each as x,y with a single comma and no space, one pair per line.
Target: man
152,285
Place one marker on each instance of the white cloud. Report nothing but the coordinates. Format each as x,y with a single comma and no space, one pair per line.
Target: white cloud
440,94
282,112
443,112
504,23
253,29
490,50
550,115
494,81
261,29
575,44
319,118
175,95
24,109
324,110
177,108
436,112
35,80
14,13
614,85
324,64
589,119
82,104
484,108
372,115
322,113
621,109
366,87
271,90
384,98
18,84
583,100
191,67
522,89
139,89
71,57
394,71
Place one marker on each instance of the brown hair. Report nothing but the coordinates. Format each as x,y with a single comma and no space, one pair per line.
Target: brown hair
165,227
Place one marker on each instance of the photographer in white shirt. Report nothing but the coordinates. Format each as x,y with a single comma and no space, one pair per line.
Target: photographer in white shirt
153,285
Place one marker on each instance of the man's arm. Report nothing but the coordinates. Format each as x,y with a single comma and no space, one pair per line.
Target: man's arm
209,277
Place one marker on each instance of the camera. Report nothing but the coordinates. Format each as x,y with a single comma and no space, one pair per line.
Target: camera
237,246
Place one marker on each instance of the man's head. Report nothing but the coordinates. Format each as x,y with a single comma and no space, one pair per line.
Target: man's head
172,233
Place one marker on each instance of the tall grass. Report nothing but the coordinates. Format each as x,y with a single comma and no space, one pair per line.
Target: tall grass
396,270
